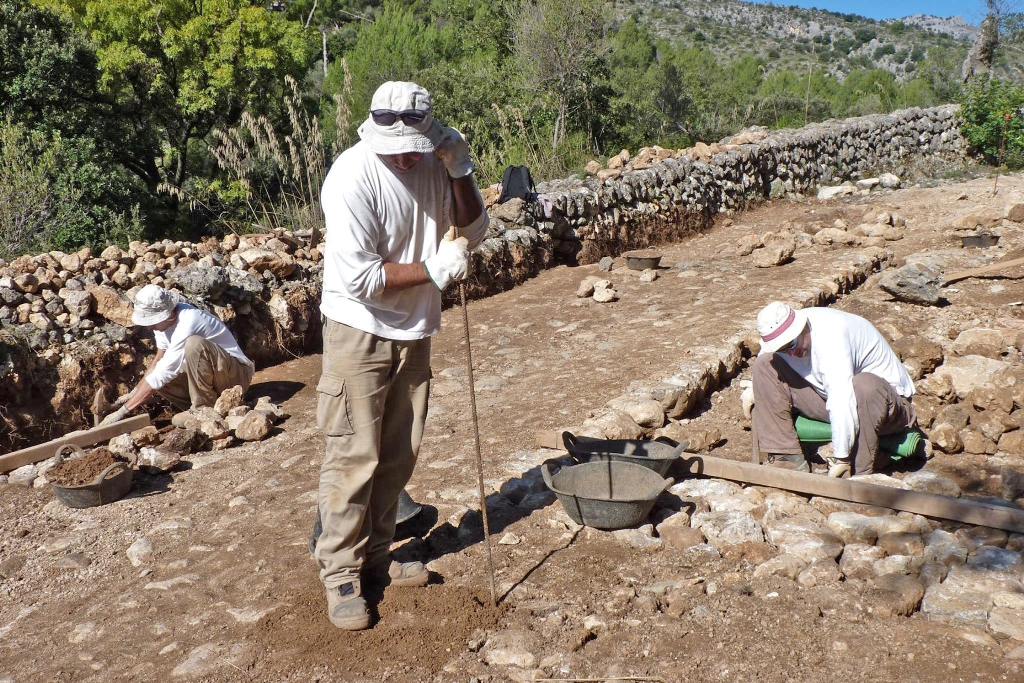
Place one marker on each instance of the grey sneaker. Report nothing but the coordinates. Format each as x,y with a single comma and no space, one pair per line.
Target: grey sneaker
346,607
789,461
396,573
840,469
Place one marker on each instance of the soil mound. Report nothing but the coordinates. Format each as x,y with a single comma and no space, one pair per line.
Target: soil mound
81,471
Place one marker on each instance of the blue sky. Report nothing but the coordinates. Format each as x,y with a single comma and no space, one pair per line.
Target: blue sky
971,10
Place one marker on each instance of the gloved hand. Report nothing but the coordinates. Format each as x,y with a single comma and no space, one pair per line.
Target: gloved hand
747,400
453,150
116,416
124,399
451,262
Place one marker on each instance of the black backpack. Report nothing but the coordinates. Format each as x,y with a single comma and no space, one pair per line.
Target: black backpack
516,182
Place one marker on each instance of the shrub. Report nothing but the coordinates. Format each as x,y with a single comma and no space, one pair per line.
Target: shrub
983,111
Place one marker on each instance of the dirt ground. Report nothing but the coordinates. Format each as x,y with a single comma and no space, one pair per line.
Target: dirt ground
225,589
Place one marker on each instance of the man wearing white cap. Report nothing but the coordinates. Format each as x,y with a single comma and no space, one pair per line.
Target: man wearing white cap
830,366
388,203
197,357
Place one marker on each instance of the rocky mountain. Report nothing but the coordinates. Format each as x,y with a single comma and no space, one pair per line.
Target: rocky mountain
812,39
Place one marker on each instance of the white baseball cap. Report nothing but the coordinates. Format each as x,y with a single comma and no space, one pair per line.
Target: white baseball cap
385,130
153,305
779,324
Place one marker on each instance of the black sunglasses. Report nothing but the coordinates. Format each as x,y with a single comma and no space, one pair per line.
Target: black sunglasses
790,346
386,117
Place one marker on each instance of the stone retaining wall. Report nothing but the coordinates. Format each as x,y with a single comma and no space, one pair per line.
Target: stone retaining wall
64,318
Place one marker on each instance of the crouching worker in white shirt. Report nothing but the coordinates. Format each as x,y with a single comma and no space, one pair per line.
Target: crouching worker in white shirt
197,356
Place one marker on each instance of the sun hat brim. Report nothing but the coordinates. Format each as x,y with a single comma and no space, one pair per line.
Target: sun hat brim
786,334
145,317
399,138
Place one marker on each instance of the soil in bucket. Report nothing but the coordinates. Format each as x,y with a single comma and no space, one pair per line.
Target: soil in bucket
82,471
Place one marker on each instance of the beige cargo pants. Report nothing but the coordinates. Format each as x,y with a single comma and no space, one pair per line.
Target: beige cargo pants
372,404
208,370
780,393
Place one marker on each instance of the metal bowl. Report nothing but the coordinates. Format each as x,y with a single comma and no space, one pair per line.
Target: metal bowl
606,495
642,260
981,240
654,455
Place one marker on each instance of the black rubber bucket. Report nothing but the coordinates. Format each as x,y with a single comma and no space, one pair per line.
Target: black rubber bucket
109,485
608,494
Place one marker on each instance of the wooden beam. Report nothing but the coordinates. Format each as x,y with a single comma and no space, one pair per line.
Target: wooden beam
984,270
88,437
927,504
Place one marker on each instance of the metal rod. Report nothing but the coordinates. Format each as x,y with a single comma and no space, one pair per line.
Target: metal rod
1002,148
476,436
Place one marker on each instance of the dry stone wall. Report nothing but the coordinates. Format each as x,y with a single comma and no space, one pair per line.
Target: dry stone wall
65,318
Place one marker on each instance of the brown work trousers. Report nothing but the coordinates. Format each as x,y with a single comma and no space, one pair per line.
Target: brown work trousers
207,371
780,393
372,404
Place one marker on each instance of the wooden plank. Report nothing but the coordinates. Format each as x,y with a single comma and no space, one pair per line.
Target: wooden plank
984,270
927,504
549,438
87,437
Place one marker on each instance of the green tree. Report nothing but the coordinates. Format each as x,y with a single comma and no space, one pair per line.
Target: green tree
988,110
558,44
184,67
61,129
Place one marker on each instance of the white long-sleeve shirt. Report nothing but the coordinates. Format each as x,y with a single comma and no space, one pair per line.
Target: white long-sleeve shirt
191,321
375,214
843,345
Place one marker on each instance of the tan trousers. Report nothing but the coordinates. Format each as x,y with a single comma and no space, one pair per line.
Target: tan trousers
780,393
372,404
208,370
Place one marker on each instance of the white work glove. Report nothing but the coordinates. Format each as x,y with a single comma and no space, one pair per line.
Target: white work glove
747,399
116,416
453,150
451,262
124,399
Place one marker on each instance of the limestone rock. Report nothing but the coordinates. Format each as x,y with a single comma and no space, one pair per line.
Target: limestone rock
858,560
112,304
978,218
785,566
265,405
805,539
820,572
899,564
929,482
844,190
615,424
157,461
255,426
586,287
728,527
230,398
830,236
968,372
647,413
511,647
889,181
140,552
894,595
182,441
946,438
1007,621
147,436
23,476
605,295
915,283
920,356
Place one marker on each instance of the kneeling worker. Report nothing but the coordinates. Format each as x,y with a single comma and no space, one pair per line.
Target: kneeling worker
830,366
197,356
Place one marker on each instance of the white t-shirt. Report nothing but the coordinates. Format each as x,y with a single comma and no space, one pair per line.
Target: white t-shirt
191,321
843,345
376,214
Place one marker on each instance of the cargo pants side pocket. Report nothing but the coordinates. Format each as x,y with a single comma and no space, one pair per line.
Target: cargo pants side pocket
332,411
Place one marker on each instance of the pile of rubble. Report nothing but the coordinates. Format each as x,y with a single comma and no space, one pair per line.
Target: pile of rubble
228,423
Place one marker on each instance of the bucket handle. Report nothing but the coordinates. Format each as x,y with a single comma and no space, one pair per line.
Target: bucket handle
569,440
110,468
665,486
545,472
74,451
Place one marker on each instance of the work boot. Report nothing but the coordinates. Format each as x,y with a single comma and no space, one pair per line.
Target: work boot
388,572
346,607
789,461
838,468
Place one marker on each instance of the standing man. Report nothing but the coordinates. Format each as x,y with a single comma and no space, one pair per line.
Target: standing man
196,359
830,366
388,202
